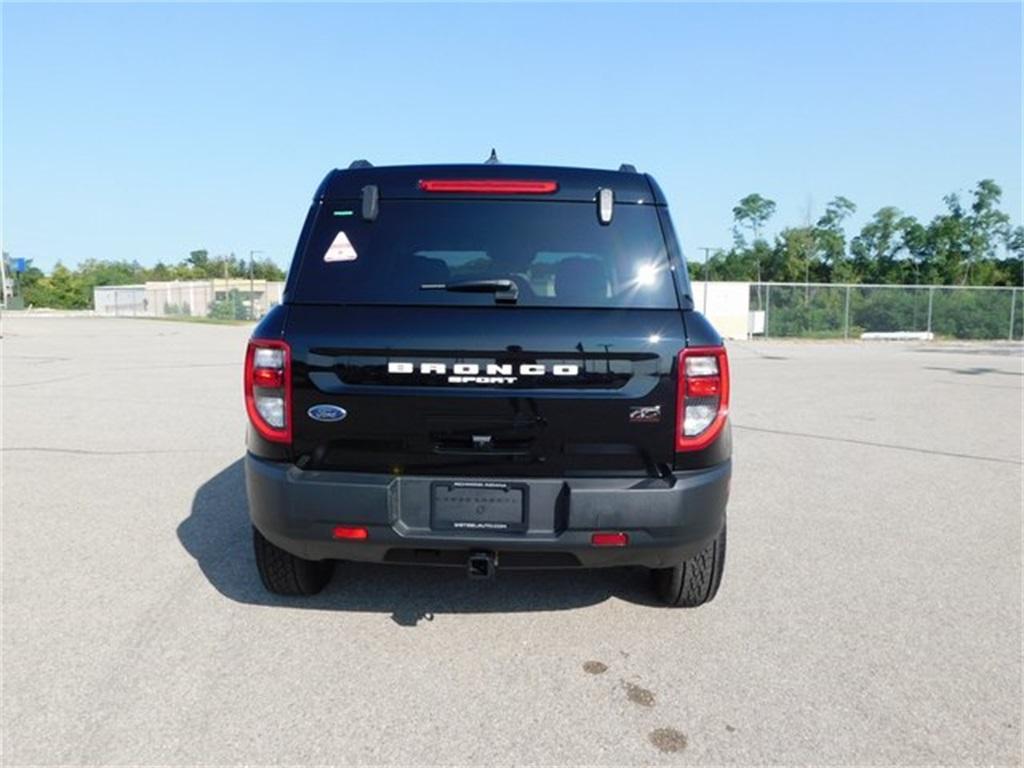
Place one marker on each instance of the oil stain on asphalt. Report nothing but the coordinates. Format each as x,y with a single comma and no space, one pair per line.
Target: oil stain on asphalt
667,739
664,739
639,695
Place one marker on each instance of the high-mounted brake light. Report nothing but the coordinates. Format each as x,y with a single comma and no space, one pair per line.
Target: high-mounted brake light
268,389
490,186
605,205
703,397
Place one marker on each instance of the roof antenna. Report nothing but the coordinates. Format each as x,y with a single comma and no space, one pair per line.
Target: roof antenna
493,159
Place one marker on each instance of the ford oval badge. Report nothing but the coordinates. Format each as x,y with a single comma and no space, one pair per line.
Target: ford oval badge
325,412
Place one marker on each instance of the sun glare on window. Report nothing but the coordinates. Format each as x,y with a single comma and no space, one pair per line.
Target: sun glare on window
646,275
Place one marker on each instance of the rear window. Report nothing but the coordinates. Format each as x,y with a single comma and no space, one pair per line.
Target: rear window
557,253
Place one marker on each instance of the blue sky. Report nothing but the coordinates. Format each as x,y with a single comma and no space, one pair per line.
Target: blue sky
145,131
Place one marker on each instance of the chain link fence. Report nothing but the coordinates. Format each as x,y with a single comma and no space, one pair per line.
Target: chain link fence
809,310
817,310
228,299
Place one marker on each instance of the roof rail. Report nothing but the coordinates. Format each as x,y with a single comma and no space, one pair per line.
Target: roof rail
360,164
627,168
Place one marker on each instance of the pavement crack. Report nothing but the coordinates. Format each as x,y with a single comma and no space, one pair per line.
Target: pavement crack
92,452
40,383
874,444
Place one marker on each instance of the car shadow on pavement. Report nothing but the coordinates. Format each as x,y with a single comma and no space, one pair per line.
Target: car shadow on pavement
217,534
977,371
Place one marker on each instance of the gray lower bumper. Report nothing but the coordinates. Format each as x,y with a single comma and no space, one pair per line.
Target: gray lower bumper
667,520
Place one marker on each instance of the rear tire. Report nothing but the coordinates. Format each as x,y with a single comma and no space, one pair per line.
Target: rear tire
695,581
285,574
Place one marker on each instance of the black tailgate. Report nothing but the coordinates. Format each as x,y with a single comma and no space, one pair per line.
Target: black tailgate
485,391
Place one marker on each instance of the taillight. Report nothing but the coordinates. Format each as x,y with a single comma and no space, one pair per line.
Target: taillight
703,399
490,186
268,388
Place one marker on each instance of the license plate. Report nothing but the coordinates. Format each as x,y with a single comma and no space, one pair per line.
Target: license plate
478,506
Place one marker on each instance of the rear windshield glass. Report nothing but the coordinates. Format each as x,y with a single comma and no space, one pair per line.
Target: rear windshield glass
556,253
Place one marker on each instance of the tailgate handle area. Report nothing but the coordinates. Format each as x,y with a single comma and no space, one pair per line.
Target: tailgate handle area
460,450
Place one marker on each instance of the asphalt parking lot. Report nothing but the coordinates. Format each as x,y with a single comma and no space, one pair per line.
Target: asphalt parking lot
870,611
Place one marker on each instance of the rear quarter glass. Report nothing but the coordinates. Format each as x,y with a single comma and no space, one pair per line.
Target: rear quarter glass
558,253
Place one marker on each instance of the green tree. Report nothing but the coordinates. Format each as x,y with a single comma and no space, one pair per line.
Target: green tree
988,227
794,252
947,241
63,289
881,252
199,260
961,239
232,307
830,238
1011,269
752,213
266,269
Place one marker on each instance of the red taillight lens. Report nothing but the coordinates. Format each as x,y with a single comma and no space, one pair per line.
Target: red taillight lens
617,539
705,386
490,186
268,388
351,533
268,377
703,398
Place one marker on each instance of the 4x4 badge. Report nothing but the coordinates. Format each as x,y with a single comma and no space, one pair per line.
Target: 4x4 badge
645,414
326,412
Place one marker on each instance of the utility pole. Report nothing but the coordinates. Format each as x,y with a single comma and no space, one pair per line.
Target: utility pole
252,291
3,283
811,248
707,252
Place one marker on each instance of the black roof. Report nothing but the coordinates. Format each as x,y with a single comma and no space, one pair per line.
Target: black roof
402,181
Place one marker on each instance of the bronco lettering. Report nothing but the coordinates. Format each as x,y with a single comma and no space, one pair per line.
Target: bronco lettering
492,373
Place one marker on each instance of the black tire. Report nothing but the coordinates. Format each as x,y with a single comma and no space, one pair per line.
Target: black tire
695,581
285,574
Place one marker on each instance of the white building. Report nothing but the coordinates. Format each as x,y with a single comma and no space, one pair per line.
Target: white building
185,297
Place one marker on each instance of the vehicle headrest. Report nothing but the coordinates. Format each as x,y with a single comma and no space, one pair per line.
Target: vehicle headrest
429,270
581,279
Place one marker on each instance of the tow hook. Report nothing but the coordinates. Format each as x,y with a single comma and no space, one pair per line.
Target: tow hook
482,565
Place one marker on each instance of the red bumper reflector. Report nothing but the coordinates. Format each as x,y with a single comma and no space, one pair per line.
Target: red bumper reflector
610,539
272,378
704,386
489,186
350,533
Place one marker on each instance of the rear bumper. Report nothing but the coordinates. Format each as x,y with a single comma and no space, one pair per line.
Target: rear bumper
668,520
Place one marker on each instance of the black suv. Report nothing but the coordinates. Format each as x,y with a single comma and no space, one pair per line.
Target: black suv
488,366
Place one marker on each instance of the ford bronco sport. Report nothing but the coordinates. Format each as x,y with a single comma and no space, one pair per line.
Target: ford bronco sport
488,366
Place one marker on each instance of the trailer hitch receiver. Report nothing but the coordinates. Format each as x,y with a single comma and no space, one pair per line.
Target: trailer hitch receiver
482,565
